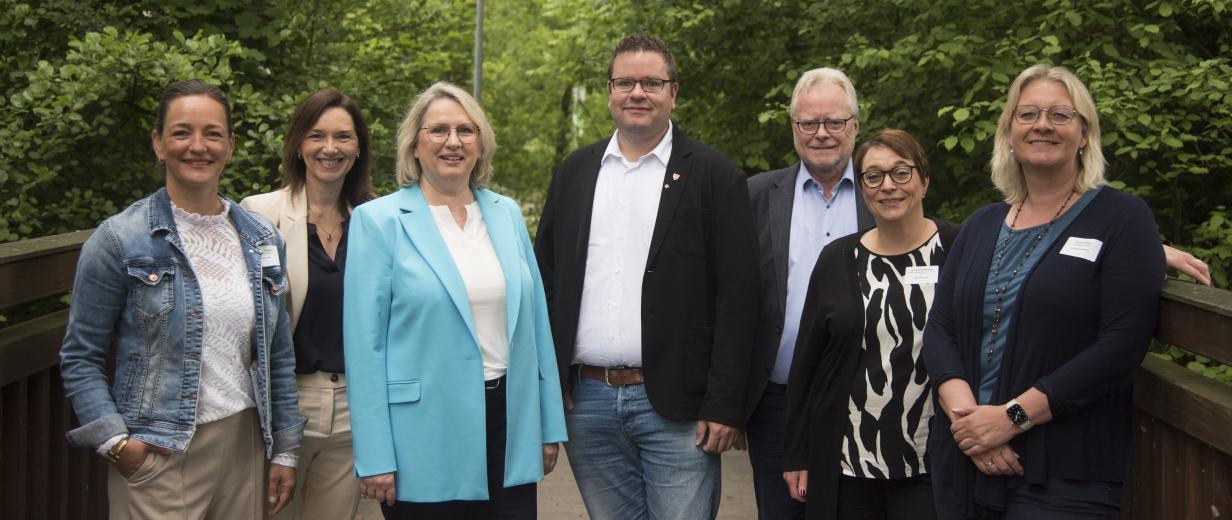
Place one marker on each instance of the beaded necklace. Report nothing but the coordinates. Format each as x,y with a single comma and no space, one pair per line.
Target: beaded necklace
1003,247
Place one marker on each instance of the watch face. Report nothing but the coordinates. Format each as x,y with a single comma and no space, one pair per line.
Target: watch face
1017,415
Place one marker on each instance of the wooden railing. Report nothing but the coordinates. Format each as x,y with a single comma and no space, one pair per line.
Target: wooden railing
1182,465
40,474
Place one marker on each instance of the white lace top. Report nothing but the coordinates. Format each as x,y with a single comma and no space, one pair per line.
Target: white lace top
217,259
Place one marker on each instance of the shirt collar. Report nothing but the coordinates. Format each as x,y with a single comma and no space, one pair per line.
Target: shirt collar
804,179
662,151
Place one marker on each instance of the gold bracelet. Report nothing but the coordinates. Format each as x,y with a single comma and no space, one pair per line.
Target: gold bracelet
113,455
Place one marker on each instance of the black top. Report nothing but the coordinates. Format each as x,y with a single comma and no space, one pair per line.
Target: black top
1081,328
318,336
830,345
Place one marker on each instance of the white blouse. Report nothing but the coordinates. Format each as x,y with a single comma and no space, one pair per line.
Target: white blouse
473,254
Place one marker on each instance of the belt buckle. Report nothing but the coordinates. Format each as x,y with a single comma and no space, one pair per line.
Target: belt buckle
606,377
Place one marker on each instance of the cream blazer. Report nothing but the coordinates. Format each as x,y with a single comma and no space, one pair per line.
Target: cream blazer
289,212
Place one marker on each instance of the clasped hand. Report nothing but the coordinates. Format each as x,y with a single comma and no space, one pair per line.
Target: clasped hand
979,429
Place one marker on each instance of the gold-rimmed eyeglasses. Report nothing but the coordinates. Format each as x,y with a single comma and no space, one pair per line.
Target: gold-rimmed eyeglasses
439,133
1057,114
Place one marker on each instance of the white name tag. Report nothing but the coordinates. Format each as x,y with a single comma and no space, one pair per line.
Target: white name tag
1085,248
922,274
269,256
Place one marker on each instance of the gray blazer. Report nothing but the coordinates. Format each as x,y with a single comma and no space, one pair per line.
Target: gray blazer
772,194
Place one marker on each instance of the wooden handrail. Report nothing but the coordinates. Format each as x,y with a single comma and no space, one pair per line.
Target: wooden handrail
39,267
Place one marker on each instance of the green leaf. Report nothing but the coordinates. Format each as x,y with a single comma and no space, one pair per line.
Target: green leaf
961,115
950,142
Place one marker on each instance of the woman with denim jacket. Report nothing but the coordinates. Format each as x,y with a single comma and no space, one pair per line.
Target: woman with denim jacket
189,288
325,159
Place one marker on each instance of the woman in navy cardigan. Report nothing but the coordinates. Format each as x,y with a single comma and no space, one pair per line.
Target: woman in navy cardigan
1040,318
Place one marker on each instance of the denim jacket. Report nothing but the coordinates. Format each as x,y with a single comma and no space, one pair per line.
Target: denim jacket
134,284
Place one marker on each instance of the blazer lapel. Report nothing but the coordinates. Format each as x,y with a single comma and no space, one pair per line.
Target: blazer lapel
293,224
589,178
675,178
864,219
782,197
420,227
504,237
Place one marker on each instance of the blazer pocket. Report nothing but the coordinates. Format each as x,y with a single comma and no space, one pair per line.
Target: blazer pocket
403,391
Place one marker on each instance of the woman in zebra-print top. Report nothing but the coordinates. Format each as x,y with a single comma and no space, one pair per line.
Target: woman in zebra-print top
858,399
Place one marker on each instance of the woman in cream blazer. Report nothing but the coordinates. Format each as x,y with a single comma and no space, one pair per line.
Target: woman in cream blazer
325,162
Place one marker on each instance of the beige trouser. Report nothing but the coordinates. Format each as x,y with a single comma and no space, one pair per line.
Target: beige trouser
325,483
219,477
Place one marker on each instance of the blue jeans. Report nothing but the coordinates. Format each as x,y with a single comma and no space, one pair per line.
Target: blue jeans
632,464
766,433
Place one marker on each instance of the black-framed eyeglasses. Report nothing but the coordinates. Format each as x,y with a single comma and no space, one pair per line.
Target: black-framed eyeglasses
811,126
439,133
648,84
873,178
1057,114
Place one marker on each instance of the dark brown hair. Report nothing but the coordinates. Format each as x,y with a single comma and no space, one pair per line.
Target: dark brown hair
357,186
644,43
899,142
185,88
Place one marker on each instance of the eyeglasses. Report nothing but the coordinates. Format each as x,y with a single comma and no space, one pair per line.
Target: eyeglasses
439,133
648,84
873,178
811,126
1057,114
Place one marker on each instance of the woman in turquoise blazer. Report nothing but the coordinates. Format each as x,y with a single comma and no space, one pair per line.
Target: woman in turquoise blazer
423,373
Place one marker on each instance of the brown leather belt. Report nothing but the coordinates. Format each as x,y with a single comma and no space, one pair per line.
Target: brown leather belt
619,376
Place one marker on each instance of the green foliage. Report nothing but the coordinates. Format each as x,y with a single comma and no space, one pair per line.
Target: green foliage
73,145
1200,364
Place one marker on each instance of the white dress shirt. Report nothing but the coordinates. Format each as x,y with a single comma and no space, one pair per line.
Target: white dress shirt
621,224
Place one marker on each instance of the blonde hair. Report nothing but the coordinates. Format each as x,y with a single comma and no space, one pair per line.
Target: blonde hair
408,169
1007,173
821,76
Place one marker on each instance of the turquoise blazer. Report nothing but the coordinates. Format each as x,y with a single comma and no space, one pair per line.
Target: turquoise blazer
414,370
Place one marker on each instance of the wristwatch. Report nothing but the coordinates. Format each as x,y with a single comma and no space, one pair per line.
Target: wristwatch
1017,415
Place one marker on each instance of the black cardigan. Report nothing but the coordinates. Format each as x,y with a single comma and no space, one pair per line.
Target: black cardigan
823,369
1080,330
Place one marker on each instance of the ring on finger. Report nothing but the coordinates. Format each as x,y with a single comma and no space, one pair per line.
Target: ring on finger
988,463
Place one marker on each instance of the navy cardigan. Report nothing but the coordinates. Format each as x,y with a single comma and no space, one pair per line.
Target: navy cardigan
1081,328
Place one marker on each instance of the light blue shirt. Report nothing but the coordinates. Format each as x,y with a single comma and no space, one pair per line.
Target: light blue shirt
815,222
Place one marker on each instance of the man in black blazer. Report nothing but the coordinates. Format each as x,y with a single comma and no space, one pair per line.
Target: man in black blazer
791,232
649,261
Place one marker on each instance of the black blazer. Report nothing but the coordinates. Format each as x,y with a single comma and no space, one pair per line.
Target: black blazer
699,290
773,194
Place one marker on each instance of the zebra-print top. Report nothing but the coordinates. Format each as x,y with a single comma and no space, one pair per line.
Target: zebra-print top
891,403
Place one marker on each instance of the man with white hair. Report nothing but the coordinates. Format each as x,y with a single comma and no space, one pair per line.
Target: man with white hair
797,211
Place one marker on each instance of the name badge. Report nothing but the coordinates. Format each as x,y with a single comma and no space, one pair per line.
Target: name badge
269,256
922,274
1084,248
